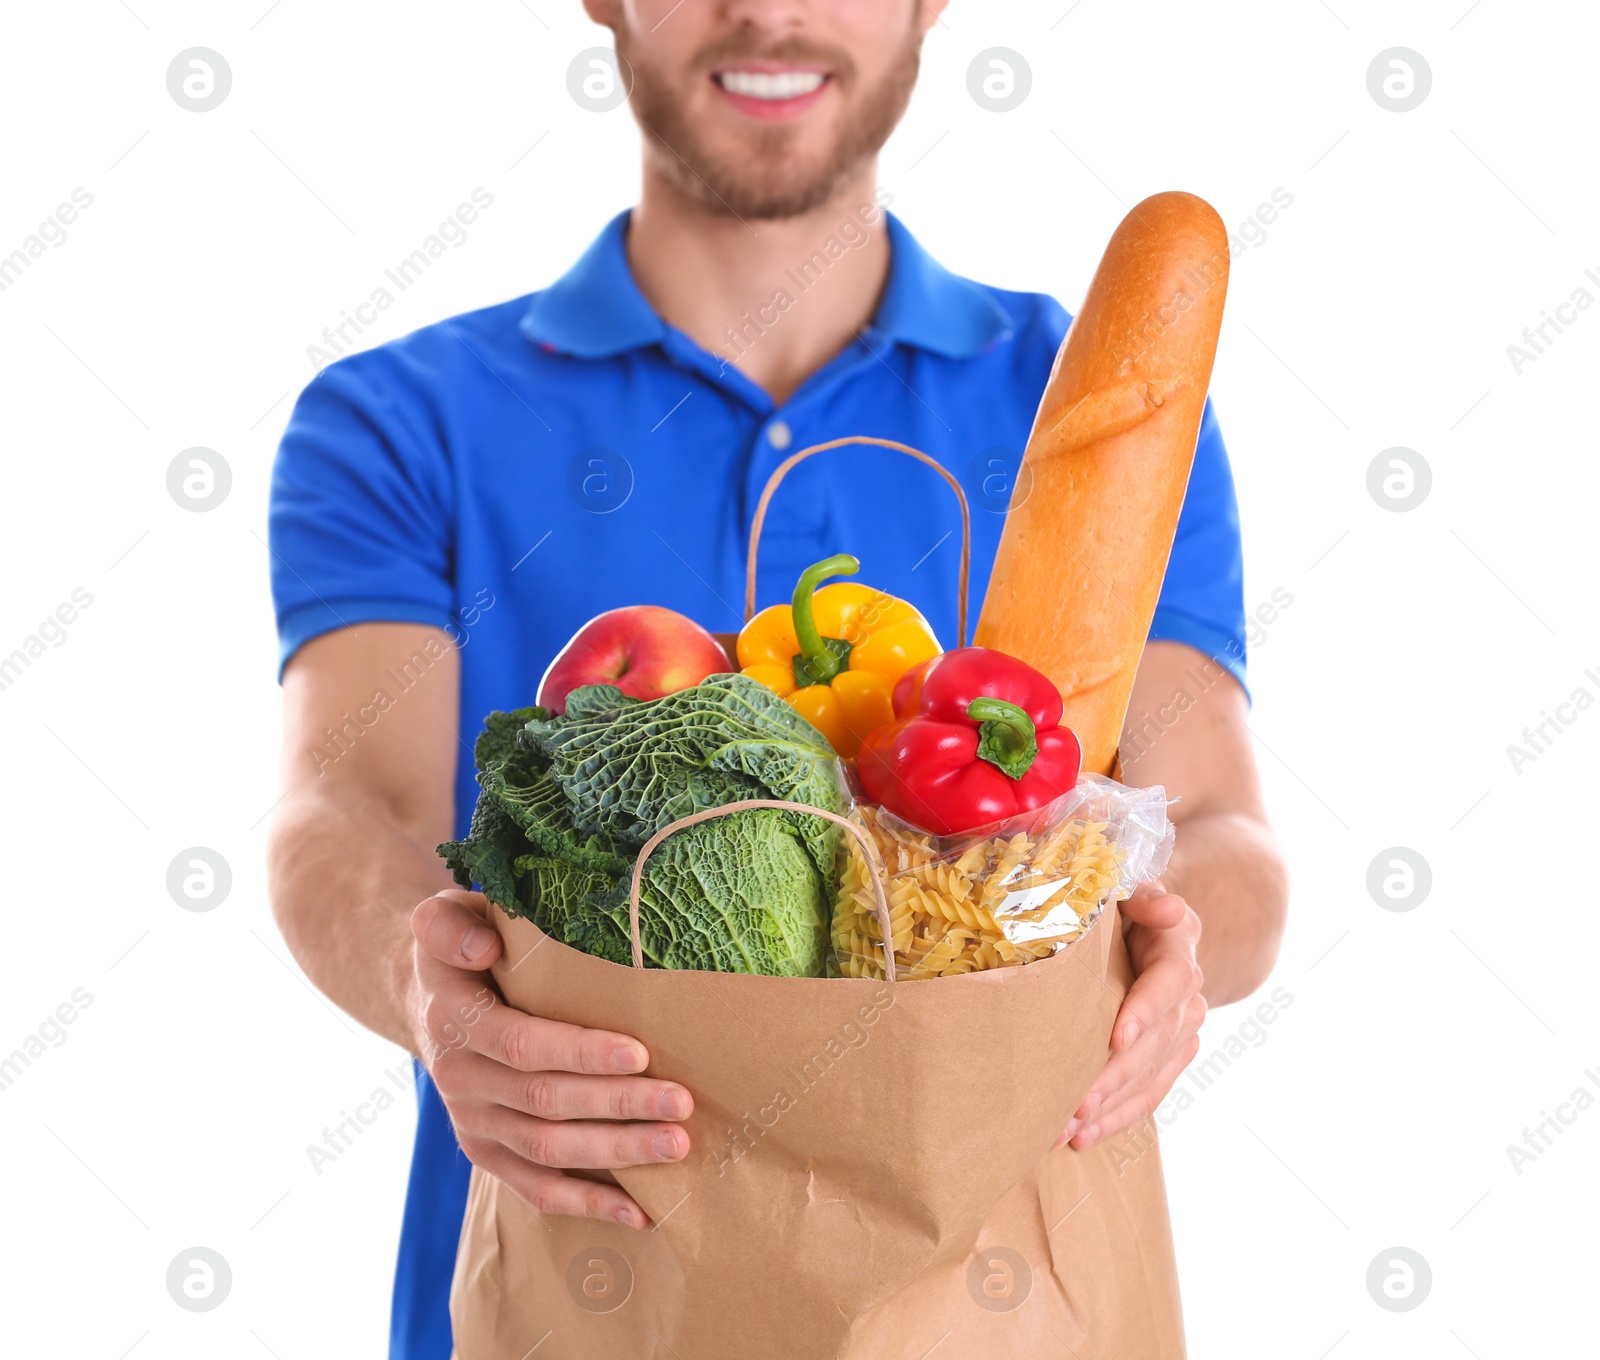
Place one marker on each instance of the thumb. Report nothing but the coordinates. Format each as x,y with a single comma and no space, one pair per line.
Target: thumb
452,927
1152,905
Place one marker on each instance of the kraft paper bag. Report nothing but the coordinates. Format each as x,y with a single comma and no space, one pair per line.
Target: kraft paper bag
871,1176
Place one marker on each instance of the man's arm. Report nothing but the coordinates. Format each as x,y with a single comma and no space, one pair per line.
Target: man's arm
1186,730
1209,931
368,909
351,851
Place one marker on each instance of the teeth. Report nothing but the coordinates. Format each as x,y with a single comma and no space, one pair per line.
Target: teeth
778,85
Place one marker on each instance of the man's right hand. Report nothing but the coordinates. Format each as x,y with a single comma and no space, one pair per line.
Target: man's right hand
530,1097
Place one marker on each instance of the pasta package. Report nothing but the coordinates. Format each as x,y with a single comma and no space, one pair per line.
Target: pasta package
1002,895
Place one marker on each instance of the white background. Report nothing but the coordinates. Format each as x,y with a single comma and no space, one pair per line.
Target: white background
1418,1045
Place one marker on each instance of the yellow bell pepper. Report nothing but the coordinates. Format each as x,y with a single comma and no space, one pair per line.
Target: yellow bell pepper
836,653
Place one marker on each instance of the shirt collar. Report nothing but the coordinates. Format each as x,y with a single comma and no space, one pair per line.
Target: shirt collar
928,307
596,310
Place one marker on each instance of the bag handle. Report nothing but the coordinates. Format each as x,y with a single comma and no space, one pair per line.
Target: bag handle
881,903
782,470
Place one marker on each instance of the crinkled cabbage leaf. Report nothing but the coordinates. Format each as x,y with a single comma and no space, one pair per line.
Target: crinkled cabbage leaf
566,802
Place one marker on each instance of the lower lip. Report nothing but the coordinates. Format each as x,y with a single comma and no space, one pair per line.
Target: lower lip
772,110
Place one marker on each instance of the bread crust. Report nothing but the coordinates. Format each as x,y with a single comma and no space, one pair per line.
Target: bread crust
1095,507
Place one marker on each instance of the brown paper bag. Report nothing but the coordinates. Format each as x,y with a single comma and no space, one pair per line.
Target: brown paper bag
870,1176
870,1173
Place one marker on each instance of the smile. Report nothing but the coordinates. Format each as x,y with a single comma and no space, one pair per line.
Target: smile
771,86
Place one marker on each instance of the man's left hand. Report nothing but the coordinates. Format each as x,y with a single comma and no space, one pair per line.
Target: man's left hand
1156,1034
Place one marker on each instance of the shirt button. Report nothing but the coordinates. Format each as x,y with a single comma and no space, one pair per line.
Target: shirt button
779,434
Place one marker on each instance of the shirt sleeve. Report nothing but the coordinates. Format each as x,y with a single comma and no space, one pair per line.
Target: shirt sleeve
360,516
1202,596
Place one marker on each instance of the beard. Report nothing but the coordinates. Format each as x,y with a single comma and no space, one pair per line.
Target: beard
766,176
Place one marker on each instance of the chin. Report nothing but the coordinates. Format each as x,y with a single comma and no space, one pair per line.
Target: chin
759,180
729,162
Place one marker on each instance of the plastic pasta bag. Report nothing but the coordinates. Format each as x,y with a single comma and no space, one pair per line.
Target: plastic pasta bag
1000,895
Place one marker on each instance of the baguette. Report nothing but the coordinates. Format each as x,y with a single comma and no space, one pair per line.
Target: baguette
1086,540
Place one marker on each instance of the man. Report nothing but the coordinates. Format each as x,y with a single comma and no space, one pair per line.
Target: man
449,508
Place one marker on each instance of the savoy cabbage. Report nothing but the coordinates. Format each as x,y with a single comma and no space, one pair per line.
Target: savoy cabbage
566,802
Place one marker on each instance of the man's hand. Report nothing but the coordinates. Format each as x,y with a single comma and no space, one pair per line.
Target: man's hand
1156,1034
352,846
527,1096
1187,732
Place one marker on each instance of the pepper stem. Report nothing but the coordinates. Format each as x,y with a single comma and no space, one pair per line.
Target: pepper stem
820,658
1006,736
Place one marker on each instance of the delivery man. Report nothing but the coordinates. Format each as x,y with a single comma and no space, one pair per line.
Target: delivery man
448,509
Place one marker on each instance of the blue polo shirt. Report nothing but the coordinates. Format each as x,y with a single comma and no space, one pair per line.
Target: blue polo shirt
508,474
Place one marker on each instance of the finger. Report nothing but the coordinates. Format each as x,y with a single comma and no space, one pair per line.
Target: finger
1137,1104
1170,977
571,1145
455,1003
1130,1068
549,1192
1161,926
452,928
531,1044
1152,906
1138,1062
468,1077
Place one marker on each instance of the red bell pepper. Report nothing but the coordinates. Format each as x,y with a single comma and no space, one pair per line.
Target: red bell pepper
976,739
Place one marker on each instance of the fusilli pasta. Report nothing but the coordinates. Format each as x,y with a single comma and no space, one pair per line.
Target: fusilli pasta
999,903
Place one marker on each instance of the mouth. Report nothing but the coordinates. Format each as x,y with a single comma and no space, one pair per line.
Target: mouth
771,92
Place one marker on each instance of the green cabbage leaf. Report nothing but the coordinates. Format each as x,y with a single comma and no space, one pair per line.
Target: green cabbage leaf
566,803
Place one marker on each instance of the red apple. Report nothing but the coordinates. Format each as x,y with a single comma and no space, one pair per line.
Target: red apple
644,650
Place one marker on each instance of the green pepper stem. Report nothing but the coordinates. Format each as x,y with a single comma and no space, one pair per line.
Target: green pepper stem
1006,736
821,662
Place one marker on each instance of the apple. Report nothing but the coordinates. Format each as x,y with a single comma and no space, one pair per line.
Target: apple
644,650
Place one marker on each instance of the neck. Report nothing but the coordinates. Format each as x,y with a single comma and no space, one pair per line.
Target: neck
776,299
